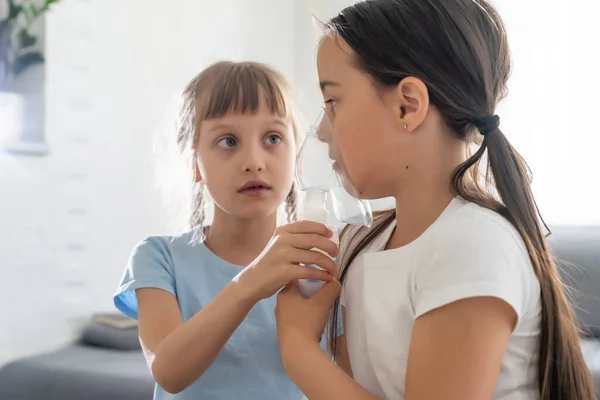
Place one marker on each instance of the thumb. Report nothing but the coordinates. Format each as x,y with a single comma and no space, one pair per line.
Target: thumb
329,292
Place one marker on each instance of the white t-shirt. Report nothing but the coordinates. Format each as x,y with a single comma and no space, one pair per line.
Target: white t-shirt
468,251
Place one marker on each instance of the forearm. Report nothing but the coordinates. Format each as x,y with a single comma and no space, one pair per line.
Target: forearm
318,377
184,355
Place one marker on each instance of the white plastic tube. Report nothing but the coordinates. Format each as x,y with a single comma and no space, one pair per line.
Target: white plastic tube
314,208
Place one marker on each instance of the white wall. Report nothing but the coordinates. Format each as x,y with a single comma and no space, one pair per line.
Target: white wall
550,111
70,220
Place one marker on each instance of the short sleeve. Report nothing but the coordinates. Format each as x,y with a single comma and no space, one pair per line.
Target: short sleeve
149,266
340,320
486,257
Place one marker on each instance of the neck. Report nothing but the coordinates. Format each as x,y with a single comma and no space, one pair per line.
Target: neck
422,201
239,241
415,213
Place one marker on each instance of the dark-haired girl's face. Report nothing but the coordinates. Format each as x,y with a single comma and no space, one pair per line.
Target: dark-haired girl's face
365,138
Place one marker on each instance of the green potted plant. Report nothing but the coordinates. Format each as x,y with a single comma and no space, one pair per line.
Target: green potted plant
17,43
19,50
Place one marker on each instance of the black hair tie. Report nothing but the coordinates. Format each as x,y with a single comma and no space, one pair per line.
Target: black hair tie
486,125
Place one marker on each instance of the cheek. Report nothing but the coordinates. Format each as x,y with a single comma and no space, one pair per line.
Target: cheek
210,167
215,174
286,165
358,141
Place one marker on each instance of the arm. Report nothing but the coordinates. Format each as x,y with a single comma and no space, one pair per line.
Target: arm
300,324
468,299
460,348
178,353
317,376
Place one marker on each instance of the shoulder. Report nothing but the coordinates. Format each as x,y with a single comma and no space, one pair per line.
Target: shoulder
167,244
151,265
477,231
163,250
152,244
474,252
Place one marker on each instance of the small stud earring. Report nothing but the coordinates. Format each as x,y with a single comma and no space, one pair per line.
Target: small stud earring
405,127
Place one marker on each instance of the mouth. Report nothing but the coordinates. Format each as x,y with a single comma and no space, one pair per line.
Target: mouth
254,188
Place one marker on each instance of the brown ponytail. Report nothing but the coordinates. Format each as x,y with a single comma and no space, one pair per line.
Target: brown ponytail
562,371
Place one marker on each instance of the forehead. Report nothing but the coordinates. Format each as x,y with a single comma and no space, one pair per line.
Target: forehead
334,58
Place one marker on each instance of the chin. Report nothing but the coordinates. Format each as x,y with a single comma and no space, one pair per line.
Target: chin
368,196
256,212
368,192
356,189
256,216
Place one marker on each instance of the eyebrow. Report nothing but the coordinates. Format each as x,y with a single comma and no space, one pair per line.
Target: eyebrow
218,127
225,126
280,122
326,83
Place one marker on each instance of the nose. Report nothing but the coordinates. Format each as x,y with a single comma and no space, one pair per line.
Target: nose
253,158
324,129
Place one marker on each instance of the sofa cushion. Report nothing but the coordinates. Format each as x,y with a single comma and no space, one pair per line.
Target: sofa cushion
78,372
577,250
97,333
591,353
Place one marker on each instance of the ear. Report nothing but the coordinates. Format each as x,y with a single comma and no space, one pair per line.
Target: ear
412,103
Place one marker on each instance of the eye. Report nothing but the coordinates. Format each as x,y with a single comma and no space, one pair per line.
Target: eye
329,105
273,139
227,142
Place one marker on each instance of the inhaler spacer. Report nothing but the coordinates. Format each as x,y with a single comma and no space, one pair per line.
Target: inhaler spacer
323,186
314,208
315,172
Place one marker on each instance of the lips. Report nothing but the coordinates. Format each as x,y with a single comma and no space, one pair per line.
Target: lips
254,186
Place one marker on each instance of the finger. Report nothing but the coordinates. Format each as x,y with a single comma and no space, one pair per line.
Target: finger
328,293
307,227
291,286
304,272
309,241
309,257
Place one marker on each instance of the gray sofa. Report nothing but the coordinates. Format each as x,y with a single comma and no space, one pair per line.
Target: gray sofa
107,363
578,252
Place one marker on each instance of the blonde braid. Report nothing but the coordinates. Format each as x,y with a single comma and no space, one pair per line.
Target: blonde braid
198,215
291,205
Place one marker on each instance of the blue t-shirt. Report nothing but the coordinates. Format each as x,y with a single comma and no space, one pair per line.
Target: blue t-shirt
249,366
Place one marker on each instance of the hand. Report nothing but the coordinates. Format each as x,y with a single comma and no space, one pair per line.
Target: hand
290,246
300,319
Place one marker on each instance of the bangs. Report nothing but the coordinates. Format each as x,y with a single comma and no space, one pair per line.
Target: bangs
238,88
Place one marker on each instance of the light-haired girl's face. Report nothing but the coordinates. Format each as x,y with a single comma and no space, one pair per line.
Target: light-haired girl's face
247,161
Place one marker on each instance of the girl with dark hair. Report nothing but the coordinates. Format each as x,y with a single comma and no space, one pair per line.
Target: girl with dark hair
453,294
